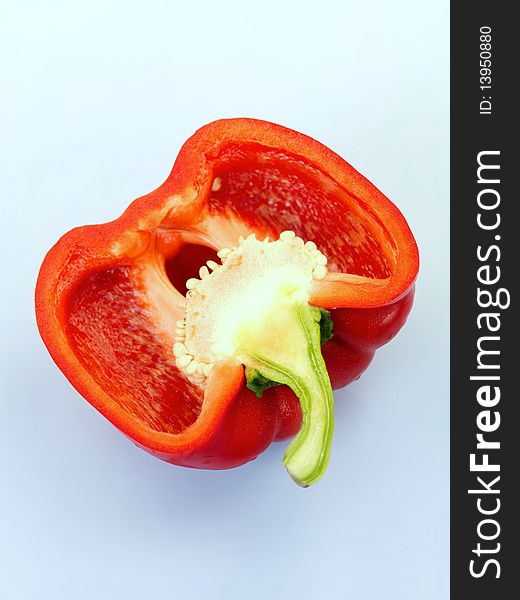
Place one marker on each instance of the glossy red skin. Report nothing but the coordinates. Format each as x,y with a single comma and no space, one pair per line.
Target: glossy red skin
229,426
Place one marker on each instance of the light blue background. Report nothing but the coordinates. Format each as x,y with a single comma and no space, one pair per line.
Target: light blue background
96,99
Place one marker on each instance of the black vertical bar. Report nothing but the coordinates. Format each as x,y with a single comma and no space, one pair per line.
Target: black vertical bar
483,124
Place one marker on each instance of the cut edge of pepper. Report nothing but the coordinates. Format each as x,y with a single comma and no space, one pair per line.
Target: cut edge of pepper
95,242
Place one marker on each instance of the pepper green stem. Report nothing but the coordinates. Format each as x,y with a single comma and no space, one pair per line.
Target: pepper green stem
288,351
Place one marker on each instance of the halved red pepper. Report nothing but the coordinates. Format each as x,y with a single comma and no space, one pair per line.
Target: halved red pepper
109,296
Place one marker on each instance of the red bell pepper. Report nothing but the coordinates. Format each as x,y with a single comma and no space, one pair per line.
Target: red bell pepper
114,312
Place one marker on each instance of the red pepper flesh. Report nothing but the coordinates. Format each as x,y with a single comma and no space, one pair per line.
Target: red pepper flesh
108,295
